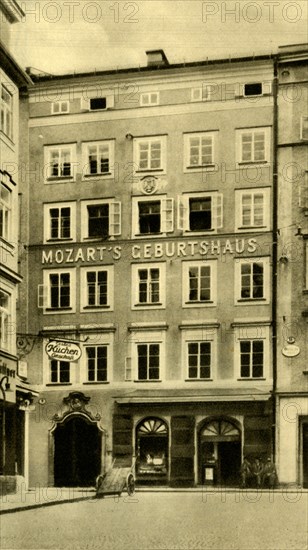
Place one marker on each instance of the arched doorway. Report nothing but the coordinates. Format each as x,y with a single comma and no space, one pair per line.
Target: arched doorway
220,444
152,444
77,452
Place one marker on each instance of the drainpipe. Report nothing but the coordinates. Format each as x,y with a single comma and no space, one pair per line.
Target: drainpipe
275,253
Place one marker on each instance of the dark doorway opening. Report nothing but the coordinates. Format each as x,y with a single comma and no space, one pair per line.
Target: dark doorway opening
77,458
305,456
229,462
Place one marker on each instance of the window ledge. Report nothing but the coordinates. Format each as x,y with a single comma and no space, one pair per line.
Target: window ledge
150,170
249,379
97,175
250,162
198,166
256,227
149,234
69,239
94,383
198,302
59,384
243,300
148,304
198,380
96,307
199,231
58,309
147,381
59,179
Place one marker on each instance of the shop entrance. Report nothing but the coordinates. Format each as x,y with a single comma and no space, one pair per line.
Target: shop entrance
220,453
305,455
152,451
77,453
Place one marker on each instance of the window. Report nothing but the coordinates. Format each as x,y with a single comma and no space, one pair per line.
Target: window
5,212
59,222
58,291
198,151
100,219
60,160
6,112
199,283
5,315
98,158
200,212
254,279
253,145
148,361
149,98
96,103
59,372
97,359
59,107
199,360
97,288
252,209
202,93
148,285
150,154
152,216
253,89
304,128
251,358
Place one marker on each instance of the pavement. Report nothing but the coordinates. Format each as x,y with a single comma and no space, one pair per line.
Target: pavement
37,497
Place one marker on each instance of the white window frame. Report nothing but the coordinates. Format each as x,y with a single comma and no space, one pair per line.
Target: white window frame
109,269
97,339
47,221
239,262
304,128
149,140
95,347
239,149
166,215
61,107
148,99
44,292
114,219
187,166
6,210
251,333
85,103
161,266
201,93
239,194
184,211
6,111
186,265
48,150
147,337
86,174
6,324
266,88
58,382
194,335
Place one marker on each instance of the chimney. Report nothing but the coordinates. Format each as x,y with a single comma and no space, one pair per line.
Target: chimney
157,58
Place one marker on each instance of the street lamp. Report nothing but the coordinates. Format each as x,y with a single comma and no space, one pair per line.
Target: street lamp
3,380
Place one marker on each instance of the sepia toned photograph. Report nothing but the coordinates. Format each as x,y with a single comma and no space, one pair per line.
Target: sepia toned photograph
153,275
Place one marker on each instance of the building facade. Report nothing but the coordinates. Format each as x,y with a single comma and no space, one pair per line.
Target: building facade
292,356
150,269
13,80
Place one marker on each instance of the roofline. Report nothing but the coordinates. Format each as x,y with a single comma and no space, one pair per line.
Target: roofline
9,64
13,10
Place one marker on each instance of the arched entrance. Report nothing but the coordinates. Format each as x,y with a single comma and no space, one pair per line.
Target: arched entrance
152,444
220,444
77,452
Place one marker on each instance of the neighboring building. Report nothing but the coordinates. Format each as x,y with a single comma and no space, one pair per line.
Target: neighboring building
12,81
150,245
292,304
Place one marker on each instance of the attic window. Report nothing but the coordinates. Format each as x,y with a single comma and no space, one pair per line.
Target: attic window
253,89
97,103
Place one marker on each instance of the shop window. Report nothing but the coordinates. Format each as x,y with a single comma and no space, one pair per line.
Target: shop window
59,222
148,285
251,358
252,209
59,372
6,112
97,359
60,161
100,219
200,213
149,98
199,283
252,280
150,154
97,288
199,360
152,217
5,212
98,158
253,146
198,151
59,107
152,450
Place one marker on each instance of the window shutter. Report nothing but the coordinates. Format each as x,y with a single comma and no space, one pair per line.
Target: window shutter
167,216
182,214
115,218
303,196
110,101
217,201
42,295
84,104
128,369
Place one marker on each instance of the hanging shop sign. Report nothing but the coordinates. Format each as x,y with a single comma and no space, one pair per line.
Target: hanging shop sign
64,351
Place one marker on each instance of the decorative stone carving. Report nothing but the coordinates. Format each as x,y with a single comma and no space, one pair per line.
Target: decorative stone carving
76,403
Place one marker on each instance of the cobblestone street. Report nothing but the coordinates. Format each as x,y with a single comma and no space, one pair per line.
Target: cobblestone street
157,520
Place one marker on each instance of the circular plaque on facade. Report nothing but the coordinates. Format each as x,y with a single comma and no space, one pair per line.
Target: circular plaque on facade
290,350
149,185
